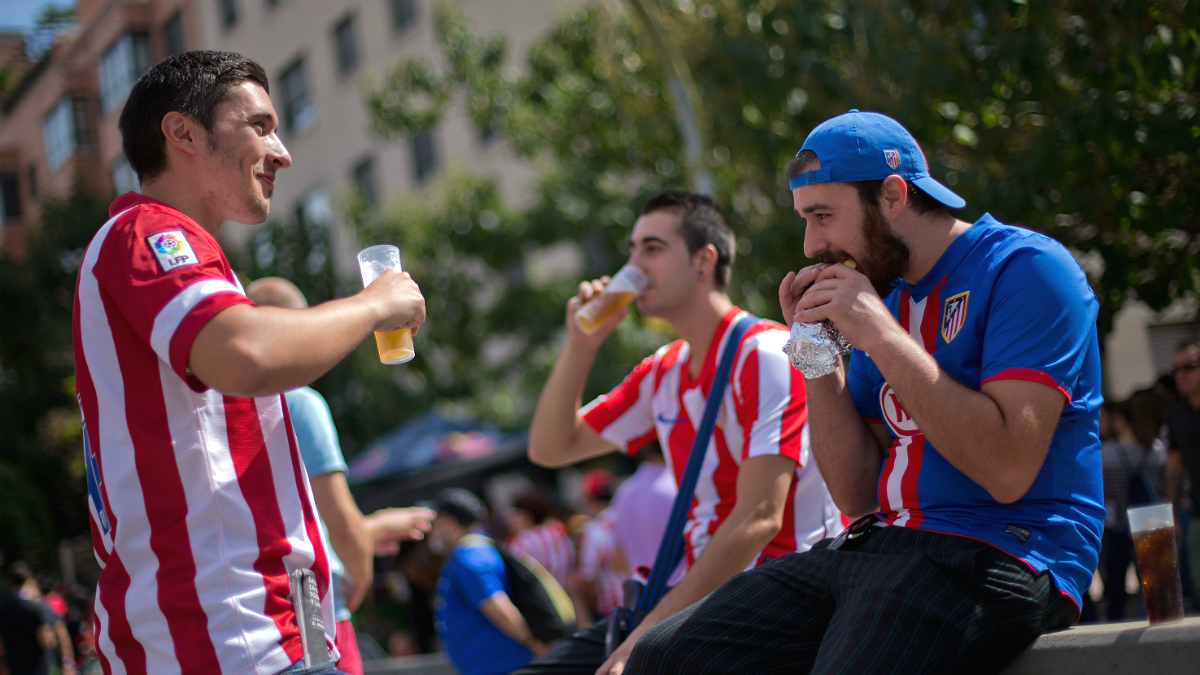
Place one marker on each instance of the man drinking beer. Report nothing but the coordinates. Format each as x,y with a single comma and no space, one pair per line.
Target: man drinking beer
201,513
759,494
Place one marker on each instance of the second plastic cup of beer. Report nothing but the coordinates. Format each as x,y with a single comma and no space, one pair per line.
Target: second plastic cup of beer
1153,529
395,346
626,284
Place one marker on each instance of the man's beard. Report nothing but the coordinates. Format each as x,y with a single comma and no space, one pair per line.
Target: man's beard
885,257
257,209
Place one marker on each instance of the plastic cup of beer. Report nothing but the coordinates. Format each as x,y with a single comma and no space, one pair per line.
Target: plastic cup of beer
626,284
1153,529
395,346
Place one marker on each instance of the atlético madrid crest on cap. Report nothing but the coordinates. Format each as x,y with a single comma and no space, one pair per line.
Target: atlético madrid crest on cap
892,157
954,315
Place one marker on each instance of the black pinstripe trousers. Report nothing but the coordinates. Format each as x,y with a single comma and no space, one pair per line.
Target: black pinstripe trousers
893,601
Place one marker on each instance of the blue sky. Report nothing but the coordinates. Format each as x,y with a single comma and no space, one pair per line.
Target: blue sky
23,13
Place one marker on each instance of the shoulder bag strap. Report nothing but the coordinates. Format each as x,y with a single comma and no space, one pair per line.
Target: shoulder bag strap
670,551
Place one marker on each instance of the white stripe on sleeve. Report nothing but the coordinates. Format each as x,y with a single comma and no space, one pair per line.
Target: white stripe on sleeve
173,312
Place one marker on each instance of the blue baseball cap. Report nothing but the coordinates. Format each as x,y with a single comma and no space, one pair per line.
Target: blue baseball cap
860,146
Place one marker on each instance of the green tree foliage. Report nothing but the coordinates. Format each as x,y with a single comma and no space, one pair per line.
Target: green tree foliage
42,495
1077,119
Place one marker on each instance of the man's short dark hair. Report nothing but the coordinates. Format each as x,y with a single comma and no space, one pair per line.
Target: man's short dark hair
701,223
869,191
460,504
534,503
1187,344
192,84
18,574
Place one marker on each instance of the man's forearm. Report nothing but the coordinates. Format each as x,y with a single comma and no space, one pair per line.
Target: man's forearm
554,420
735,544
257,351
499,610
846,451
1002,450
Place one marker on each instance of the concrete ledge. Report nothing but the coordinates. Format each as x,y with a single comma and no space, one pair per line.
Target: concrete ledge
1099,649
1127,648
425,664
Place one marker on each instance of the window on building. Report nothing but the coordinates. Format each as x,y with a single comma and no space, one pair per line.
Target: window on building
10,196
124,178
315,208
229,13
424,156
272,4
33,181
120,66
173,34
64,129
366,181
346,45
299,113
404,14
58,132
1164,338
83,123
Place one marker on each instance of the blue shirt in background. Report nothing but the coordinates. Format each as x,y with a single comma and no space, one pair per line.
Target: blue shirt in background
321,453
475,646
1001,302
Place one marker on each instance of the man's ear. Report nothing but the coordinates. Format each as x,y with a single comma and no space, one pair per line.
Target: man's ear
182,133
894,196
706,258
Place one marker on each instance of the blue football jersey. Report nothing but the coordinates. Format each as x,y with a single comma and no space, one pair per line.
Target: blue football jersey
1001,303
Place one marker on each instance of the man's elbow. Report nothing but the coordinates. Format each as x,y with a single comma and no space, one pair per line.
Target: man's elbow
1008,487
545,455
242,371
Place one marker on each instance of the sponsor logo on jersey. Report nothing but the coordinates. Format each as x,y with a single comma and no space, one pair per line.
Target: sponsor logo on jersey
954,315
892,157
897,418
172,250
1019,532
91,470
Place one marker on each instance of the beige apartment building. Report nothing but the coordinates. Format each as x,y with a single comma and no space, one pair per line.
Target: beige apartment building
321,55
58,121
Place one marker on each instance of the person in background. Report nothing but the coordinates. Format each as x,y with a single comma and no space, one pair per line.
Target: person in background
533,532
483,632
1122,455
602,568
641,508
1183,456
354,538
29,630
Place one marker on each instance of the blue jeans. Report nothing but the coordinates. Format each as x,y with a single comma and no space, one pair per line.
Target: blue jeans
298,668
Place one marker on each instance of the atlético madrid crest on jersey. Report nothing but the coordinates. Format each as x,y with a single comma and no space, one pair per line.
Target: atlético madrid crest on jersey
954,315
892,157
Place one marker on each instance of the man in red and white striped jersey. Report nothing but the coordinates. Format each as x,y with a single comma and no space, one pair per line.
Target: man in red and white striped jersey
759,495
200,507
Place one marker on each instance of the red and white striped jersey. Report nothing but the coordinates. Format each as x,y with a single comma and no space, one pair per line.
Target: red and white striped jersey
199,503
601,561
762,413
550,545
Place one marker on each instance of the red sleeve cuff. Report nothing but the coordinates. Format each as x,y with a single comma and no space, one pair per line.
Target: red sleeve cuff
1030,375
189,327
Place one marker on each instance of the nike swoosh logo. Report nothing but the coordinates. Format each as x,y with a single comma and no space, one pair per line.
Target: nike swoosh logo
667,420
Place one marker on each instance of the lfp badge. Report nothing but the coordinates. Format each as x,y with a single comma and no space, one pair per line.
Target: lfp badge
172,250
892,157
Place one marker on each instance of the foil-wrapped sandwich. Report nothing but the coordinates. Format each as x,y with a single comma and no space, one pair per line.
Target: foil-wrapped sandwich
815,348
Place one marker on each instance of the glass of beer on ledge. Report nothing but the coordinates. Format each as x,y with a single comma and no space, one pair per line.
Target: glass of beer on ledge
627,284
1153,529
395,346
